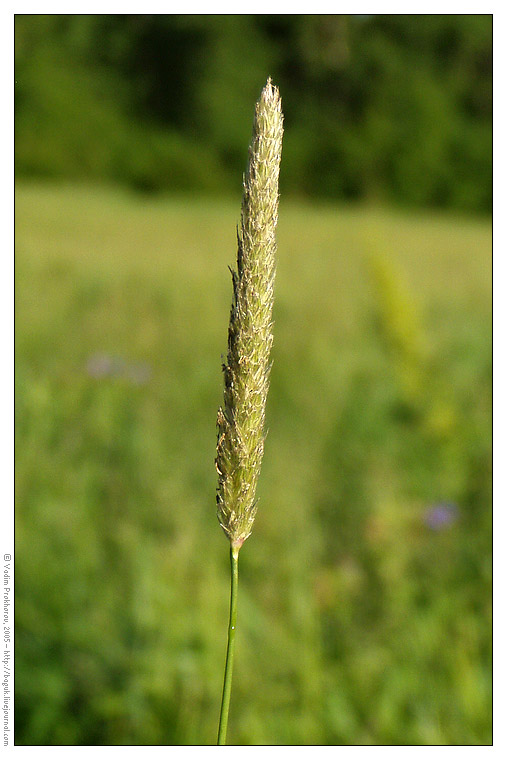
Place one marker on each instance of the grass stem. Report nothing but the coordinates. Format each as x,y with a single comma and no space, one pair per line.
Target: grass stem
226,694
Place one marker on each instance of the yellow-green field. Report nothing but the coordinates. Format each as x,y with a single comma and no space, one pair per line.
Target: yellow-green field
364,609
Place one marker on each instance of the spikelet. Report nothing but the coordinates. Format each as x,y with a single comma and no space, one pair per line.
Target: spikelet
240,421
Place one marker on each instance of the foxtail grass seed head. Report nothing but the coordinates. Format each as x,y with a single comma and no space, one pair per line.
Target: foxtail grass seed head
240,421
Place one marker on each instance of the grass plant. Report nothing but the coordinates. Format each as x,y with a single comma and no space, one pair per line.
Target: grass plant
240,421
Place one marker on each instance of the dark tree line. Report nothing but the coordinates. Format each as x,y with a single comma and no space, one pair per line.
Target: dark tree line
389,108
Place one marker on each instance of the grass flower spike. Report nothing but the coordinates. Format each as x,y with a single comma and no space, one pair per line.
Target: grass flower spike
240,421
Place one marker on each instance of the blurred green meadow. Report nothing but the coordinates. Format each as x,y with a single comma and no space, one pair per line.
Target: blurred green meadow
365,601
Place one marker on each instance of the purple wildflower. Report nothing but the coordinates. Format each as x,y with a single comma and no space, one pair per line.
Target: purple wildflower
100,366
441,516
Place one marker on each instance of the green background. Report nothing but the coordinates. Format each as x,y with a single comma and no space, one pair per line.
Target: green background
365,589
390,108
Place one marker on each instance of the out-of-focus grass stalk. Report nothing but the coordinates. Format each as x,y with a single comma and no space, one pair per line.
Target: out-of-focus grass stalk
240,421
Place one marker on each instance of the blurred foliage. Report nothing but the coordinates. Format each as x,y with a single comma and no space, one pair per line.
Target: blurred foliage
365,597
391,107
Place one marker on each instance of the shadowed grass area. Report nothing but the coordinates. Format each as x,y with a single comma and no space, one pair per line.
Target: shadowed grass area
365,592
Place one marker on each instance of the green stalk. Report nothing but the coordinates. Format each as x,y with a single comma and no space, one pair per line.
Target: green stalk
229,659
